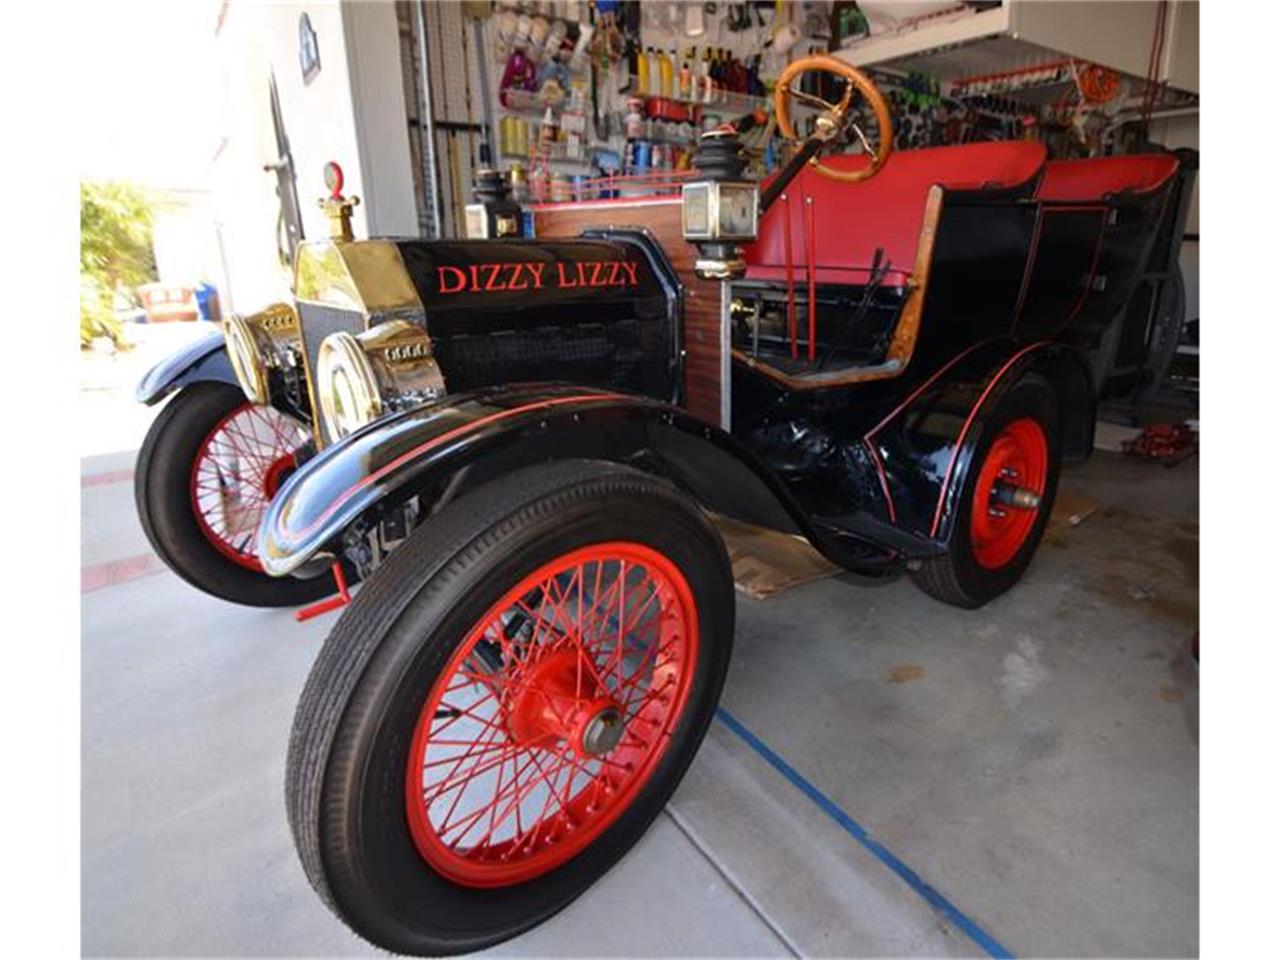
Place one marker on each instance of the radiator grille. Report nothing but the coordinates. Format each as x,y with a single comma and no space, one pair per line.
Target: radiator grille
623,354
317,322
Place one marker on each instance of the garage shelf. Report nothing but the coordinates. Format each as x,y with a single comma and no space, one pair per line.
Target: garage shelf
1025,41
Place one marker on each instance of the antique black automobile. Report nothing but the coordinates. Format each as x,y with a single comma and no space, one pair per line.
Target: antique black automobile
517,445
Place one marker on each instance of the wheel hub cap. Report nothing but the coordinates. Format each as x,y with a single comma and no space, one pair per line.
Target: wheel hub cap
1006,497
603,732
562,702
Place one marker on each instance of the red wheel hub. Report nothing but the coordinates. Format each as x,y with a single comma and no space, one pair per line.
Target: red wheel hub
551,715
237,470
278,473
559,703
1006,498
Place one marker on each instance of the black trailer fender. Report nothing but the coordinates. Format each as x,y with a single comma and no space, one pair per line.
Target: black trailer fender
203,359
463,441
924,446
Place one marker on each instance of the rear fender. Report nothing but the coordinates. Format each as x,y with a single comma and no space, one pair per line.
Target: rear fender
463,441
925,446
201,360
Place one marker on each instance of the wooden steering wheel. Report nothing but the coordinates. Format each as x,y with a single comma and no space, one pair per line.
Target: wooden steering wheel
836,112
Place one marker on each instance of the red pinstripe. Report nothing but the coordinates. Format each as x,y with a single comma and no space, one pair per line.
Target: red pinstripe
884,481
955,451
432,443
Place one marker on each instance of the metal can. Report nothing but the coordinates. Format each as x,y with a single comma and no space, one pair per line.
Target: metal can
643,155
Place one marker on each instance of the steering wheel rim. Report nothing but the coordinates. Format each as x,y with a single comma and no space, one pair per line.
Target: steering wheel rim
858,80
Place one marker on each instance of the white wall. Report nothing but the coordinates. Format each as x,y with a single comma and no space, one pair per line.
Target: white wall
382,134
351,112
184,238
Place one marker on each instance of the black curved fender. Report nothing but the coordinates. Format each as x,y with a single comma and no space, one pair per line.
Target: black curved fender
924,447
468,439
204,359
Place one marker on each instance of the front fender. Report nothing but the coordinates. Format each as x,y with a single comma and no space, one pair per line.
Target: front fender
203,359
926,444
472,438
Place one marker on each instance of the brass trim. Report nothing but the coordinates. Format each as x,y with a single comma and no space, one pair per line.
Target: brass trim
365,276
246,359
905,334
343,349
258,342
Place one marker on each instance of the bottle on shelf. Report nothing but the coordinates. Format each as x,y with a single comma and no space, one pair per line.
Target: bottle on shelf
519,184
549,129
642,71
634,122
685,86
664,74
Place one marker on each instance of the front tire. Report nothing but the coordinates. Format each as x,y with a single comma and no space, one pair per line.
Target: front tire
993,542
507,705
207,470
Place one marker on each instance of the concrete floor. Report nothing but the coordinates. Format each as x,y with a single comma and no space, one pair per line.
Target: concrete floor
1034,762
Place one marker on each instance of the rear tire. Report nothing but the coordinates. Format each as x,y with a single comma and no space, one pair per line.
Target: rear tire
365,814
984,559
170,489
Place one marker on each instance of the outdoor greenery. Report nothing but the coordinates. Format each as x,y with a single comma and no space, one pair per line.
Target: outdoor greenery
115,253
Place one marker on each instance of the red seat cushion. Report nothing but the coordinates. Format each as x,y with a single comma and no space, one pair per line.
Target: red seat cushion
1081,180
850,220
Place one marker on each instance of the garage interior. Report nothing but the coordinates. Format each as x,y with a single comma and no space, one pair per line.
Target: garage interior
886,775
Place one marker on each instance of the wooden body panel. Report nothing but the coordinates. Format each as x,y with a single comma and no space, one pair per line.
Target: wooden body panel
706,354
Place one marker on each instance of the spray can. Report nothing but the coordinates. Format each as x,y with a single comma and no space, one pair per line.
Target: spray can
642,71
664,74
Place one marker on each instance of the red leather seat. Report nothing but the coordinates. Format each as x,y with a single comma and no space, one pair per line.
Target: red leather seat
850,220
1083,180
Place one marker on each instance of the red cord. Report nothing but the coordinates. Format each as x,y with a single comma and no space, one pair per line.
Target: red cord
811,256
791,280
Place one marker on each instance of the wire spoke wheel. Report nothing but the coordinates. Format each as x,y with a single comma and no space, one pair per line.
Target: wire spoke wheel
508,704
551,714
207,469
1017,460
238,468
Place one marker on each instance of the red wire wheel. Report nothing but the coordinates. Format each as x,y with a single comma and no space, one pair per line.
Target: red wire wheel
237,470
551,715
1018,457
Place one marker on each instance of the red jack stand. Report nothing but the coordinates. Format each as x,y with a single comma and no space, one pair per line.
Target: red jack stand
339,599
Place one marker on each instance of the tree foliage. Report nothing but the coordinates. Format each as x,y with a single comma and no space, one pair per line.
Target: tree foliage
115,252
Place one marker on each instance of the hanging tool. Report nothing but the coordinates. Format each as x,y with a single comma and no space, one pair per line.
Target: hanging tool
482,68
466,90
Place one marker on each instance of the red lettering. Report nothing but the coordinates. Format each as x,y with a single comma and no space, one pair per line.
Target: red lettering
597,268
494,270
564,281
536,269
582,274
442,276
631,269
475,277
613,274
517,270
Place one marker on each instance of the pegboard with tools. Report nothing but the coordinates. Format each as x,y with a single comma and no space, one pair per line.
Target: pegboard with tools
580,92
